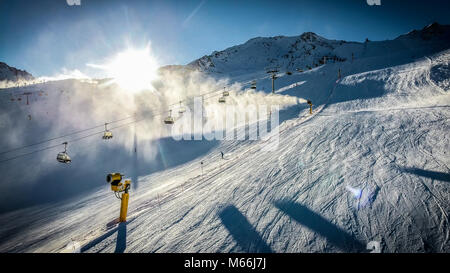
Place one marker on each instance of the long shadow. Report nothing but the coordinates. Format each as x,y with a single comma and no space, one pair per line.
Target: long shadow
135,167
430,174
97,240
242,231
332,233
121,241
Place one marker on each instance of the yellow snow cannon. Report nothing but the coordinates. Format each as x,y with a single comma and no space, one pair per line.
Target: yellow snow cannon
118,187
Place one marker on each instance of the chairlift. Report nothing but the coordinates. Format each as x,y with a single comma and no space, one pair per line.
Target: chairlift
63,157
222,100
253,85
169,119
107,134
225,93
182,109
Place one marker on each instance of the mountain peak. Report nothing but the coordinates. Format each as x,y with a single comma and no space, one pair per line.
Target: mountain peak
434,29
429,32
434,25
309,36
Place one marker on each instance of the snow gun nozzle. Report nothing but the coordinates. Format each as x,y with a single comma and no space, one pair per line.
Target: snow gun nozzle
114,178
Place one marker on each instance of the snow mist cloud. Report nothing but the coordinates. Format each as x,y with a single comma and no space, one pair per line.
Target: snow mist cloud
67,106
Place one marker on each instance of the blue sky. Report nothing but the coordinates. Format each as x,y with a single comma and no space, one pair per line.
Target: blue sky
44,36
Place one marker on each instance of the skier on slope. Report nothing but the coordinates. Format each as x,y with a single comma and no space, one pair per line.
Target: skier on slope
221,154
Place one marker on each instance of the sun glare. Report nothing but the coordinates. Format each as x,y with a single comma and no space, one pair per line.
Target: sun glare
132,69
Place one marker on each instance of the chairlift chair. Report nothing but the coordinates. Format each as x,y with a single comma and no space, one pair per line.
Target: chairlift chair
107,134
182,109
63,157
225,93
222,100
169,119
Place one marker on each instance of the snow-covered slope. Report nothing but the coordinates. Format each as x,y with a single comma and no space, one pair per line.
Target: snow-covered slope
370,164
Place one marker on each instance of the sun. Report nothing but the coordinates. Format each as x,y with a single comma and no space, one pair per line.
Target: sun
132,69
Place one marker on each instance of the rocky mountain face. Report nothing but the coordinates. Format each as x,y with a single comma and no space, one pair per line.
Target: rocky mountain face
13,74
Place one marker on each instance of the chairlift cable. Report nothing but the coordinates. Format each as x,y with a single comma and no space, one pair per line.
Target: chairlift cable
81,138
91,128
63,136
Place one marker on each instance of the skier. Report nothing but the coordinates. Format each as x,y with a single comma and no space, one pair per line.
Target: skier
221,154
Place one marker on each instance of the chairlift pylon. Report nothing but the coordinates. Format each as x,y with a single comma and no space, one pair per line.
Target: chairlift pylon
63,157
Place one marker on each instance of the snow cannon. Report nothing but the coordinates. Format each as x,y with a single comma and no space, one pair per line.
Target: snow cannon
120,191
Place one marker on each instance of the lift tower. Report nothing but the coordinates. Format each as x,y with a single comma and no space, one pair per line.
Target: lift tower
274,76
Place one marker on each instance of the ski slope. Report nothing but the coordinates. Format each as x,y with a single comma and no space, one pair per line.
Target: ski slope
370,164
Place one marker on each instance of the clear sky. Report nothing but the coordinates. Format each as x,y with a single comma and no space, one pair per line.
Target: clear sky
45,36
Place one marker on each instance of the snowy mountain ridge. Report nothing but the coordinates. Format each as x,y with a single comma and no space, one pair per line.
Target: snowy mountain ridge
432,31
10,73
301,52
292,53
